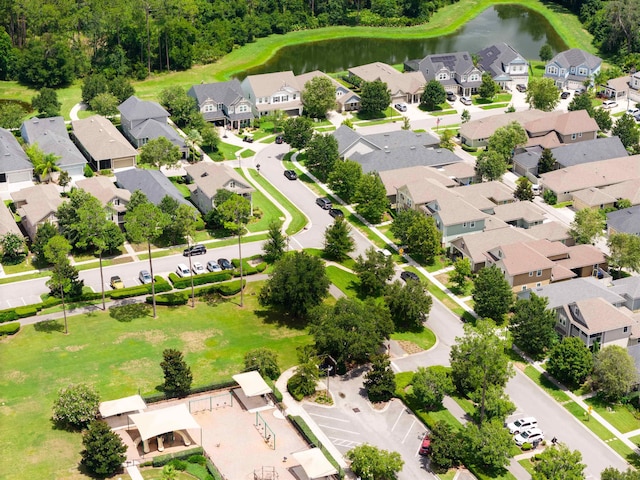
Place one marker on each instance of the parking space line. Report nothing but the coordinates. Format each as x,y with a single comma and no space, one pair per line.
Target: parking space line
409,430
397,420
339,429
331,418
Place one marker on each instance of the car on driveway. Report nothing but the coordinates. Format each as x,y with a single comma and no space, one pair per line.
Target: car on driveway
401,107
336,212
406,276
521,87
197,268
521,424
565,95
609,104
451,97
465,100
213,266
116,282
225,264
145,277
529,436
633,112
324,202
247,139
183,270
279,139
194,250
290,174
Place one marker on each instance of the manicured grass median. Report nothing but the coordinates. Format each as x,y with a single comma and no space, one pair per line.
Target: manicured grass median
424,339
347,282
617,415
544,383
119,358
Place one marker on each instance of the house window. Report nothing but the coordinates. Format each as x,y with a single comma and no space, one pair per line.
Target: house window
208,108
339,93
531,274
573,136
583,72
538,284
625,329
472,225
231,184
580,135
539,273
474,78
551,70
242,108
524,288
464,224
443,76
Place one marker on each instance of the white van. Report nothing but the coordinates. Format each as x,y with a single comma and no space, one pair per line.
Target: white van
535,188
183,270
609,104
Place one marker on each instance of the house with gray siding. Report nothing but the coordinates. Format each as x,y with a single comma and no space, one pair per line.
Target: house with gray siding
454,71
206,178
223,103
15,166
505,65
629,289
572,68
52,136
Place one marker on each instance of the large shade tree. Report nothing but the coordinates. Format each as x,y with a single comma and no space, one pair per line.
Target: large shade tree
492,295
322,155
318,96
542,94
533,325
374,97
159,152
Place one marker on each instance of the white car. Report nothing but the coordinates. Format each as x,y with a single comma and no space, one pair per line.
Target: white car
529,436
633,111
197,268
183,270
213,266
609,104
521,424
465,100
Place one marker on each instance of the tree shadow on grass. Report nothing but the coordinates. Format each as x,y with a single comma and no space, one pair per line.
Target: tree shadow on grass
49,326
280,318
129,312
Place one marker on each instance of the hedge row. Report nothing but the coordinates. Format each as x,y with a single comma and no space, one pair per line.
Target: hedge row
202,279
161,286
248,269
173,299
162,460
9,328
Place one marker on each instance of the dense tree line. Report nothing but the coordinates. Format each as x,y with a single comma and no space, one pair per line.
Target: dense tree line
52,42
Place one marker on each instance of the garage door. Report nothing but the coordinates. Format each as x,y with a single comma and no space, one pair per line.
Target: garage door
123,162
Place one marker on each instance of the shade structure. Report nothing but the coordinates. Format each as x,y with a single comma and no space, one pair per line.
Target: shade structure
133,403
252,383
157,422
314,463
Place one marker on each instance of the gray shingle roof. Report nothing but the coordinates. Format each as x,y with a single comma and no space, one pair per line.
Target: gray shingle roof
404,157
575,57
494,58
12,157
153,183
345,137
52,137
588,151
529,158
564,293
152,129
135,109
221,92
626,220
629,286
34,127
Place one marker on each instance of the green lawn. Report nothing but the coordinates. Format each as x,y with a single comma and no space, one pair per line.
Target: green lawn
527,465
589,422
617,415
450,475
119,358
544,383
347,282
269,213
227,151
424,339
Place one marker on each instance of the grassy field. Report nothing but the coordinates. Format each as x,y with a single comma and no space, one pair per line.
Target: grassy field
444,21
119,357
424,339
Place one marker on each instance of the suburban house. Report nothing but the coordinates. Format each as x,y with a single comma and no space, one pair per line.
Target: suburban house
346,100
574,290
403,87
530,264
520,214
463,173
208,177
37,205
223,103
143,120
52,136
15,166
552,231
392,150
629,289
476,133
496,192
109,195
395,178
572,68
455,71
568,180
269,92
616,88
506,66
634,82
102,144
626,220
153,183
569,127
570,154
609,196
7,222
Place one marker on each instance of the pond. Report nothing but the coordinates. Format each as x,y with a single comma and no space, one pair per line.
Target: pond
523,29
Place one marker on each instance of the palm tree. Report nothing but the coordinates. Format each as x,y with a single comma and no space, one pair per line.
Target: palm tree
46,166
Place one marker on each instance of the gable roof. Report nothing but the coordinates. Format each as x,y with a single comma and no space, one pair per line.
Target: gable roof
34,127
103,189
457,62
575,57
211,177
7,222
576,121
519,258
592,196
152,128
485,127
495,191
402,157
52,137
476,244
530,157
626,220
226,93
153,183
627,287
101,138
597,315
494,58
135,109
527,211
588,151
397,177
563,293
12,157
629,189
582,256
41,201
553,231
266,84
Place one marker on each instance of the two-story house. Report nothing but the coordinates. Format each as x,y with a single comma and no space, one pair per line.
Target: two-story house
403,87
52,136
563,128
143,120
269,92
456,72
223,103
206,178
37,205
105,190
505,65
346,100
572,68
522,266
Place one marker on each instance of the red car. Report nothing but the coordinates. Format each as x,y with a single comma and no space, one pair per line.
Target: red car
425,448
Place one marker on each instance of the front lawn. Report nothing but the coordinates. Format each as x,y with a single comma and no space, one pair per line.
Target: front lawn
544,383
120,358
347,282
424,339
620,416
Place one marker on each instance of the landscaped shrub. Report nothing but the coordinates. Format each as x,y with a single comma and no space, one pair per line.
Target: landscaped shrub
170,299
202,279
526,446
51,302
550,197
261,267
199,459
230,288
178,464
161,286
27,311
9,328
8,315
162,460
213,470
467,148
